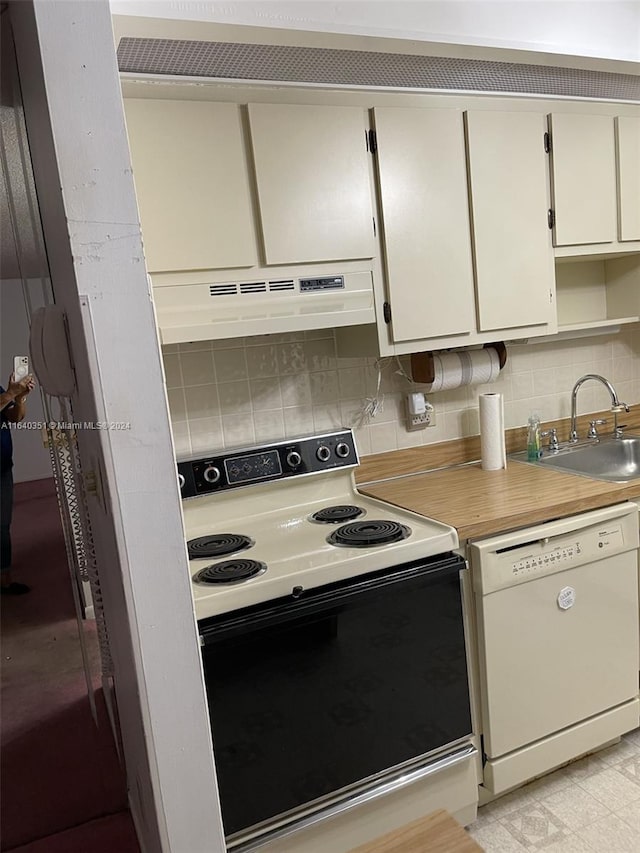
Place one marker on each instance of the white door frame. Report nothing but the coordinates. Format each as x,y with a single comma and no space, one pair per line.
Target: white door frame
75,124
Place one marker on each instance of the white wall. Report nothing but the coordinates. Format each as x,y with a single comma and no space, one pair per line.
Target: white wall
608,29
30,458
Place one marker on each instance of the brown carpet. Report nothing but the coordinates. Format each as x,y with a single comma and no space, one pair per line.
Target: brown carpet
57,769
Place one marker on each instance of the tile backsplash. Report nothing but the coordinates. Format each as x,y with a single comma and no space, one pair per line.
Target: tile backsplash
231,393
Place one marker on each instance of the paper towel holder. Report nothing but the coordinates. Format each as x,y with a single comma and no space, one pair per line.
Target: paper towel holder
423,369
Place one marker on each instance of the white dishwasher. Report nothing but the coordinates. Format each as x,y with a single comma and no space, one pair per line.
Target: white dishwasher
558,625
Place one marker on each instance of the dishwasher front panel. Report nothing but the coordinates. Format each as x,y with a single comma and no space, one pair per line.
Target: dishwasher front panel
546,668
558,625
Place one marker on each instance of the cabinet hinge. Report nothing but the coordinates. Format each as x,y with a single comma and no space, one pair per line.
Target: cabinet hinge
551,218
386,312
551,297
547,142
372,141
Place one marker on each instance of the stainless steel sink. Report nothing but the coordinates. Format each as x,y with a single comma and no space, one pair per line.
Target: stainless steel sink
616,460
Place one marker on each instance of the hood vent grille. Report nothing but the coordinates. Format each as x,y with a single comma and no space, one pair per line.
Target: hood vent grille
249,288
281,285
223,289
347,67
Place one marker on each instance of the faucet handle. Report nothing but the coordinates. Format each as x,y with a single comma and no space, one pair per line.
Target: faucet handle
593,432
553,438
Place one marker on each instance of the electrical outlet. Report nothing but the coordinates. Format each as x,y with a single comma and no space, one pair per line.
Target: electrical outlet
420,412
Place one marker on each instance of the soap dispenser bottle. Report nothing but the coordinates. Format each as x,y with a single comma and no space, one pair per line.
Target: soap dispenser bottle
533,437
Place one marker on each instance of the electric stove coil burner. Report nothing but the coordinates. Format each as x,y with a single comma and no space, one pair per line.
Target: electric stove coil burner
363,534
337,514
217,545
230,571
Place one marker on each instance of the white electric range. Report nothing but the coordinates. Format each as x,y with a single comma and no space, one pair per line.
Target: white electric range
332,636
271,521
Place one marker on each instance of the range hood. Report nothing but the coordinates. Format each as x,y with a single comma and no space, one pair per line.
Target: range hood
262,306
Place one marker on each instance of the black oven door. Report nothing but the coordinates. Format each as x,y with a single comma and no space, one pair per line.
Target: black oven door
312,694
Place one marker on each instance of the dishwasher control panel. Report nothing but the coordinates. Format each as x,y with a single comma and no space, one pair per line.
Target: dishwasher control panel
524,555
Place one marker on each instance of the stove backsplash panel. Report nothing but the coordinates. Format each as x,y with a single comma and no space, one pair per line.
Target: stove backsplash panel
233,393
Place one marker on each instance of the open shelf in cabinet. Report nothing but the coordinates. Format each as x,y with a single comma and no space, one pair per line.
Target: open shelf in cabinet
597,292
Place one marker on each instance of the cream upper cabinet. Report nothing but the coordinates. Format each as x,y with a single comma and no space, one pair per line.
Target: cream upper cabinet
628,159
584,178
313,182
509,202
192,184
425,216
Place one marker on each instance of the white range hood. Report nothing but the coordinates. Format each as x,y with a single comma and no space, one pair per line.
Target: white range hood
261,306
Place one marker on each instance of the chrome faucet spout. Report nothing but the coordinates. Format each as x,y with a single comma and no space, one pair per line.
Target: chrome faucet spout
616,405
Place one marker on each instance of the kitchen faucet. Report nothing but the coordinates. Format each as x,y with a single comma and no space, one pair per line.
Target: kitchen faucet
616,405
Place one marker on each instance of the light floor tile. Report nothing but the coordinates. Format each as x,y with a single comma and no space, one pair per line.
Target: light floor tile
549,784
611,788
631,814
575,807
534,825
630,768
507,804
568,844
618,752
634,738
496,838
611,834
585,767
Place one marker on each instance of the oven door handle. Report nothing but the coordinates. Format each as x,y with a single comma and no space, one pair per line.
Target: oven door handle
303,603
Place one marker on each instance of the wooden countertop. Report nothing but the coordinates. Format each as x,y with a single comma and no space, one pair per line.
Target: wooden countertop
482,503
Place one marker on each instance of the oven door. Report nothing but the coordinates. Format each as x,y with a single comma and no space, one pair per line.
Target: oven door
313,695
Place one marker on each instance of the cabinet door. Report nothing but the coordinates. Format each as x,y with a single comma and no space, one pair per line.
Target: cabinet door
628,150
192,184
509,203
313,181
425,214
584,179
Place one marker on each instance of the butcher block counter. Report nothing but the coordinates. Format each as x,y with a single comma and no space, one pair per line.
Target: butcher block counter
483,503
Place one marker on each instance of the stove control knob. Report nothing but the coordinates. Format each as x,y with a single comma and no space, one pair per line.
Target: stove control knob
211,474
181,481
293,459
342,450
323,453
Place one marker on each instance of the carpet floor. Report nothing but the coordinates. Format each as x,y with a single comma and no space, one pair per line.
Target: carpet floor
63,789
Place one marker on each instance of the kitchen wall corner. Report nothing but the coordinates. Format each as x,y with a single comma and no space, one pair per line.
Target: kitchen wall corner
231,393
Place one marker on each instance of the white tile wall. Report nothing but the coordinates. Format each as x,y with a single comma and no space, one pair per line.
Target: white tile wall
230,393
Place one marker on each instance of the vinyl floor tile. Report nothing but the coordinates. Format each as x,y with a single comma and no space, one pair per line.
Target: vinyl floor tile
611,835
618,752
496,838
575,807
630,768
631,814
589,806
569,844
611,788
509,803
534,825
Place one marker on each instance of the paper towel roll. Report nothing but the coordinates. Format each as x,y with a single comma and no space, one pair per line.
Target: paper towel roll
492,447
474,367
